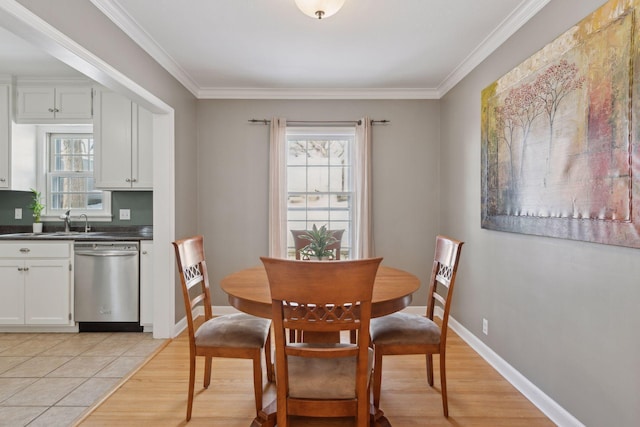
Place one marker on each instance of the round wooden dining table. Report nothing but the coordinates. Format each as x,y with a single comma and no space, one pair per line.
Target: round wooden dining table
248,291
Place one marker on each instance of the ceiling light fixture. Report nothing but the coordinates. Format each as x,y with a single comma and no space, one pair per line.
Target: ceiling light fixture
319,8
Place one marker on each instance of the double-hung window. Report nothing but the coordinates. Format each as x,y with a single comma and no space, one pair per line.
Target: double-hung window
69,176
320,182
320,176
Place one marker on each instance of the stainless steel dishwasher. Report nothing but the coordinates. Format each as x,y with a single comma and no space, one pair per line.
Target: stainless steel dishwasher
107,289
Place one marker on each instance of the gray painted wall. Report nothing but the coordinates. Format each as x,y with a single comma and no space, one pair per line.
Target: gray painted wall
563,313
86,25
233,179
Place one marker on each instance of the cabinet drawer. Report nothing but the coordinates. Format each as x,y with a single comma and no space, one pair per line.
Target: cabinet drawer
27,249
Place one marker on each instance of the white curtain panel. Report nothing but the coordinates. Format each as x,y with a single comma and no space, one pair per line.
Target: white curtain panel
278,188
362,218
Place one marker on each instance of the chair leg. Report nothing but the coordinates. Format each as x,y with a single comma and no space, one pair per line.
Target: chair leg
443,386
257,379
271,376
363,415
429,358
377,376
192,379
207,371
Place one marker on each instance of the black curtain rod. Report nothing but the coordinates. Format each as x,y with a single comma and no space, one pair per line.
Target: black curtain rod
312,122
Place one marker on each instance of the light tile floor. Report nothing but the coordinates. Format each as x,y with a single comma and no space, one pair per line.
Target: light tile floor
53,379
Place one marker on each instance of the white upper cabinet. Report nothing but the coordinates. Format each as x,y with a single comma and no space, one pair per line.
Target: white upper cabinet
17,148
70,104
123,138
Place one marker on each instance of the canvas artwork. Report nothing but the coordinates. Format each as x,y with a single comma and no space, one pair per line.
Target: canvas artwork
560,135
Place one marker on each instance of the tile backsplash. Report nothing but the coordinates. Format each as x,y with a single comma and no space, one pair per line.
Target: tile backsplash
139,203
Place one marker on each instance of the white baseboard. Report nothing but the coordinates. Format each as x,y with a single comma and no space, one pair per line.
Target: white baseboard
548,406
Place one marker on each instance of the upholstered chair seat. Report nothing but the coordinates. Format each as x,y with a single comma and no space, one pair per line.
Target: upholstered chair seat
404,328
308,377
234,330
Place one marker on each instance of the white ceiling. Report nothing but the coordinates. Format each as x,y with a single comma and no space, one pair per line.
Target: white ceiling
371,49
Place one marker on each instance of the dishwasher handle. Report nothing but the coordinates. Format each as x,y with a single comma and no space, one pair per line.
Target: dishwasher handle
106,253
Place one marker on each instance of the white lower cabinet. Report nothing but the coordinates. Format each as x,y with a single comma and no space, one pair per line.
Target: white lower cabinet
36,283
146,283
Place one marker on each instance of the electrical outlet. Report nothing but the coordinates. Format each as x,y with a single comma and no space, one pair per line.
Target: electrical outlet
485,326
18,213
125,214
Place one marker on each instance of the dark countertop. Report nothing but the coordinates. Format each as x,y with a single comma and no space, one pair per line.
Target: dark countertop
96,233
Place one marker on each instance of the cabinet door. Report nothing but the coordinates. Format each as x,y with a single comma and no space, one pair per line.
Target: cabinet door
36,103
12,292
112,139
5,135
146,283
142,150
73,102
47,292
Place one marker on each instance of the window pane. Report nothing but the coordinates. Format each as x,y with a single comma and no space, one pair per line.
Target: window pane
320,217
340,215
296,179
318,152
297,153
338,179
315,201
339,153
318,179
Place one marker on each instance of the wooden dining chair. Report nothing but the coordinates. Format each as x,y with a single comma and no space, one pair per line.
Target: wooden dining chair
240,335
322,379
301,243
403,333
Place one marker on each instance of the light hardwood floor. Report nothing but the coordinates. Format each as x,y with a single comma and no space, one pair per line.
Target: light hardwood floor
157,394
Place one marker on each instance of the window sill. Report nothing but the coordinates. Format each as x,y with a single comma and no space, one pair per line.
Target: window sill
78,219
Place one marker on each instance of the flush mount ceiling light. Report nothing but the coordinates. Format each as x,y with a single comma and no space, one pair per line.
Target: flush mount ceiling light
319,8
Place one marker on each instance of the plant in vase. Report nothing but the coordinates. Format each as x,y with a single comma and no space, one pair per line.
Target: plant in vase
37,207
319,240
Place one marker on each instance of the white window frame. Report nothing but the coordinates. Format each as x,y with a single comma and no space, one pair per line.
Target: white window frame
338,132
43,180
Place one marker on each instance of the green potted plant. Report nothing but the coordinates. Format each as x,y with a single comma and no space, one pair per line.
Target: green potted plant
37,207
319,240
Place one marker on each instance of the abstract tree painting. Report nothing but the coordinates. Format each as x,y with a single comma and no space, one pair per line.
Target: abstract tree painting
560,137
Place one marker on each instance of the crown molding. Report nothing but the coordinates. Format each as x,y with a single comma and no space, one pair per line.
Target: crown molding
512,23
114,11
315,93
523,13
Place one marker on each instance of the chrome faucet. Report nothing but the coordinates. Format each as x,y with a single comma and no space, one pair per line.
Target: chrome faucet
67,220
86,222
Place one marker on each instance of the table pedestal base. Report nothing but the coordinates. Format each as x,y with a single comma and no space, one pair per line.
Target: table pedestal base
268,417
